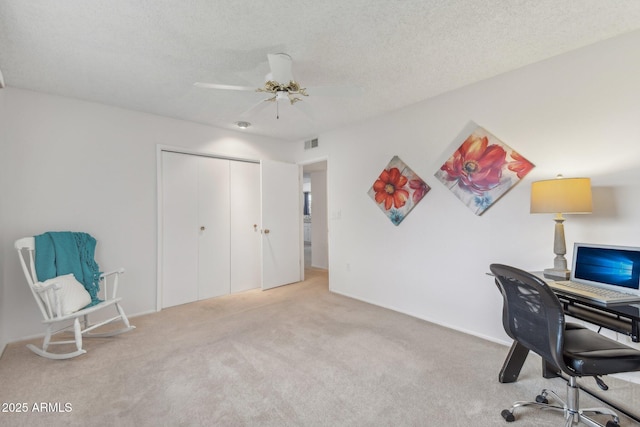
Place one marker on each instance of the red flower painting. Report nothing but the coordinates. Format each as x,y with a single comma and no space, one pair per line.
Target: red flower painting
482,170
398,190
389,188
476,165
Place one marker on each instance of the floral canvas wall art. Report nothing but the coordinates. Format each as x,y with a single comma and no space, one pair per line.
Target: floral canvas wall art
482,170
398,190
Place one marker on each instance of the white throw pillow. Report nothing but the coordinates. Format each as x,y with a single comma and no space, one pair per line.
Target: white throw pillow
72,294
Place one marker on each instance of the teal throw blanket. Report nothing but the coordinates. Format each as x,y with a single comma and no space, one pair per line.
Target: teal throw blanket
63,252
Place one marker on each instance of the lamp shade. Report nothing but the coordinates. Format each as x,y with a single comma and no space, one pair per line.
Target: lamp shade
561,195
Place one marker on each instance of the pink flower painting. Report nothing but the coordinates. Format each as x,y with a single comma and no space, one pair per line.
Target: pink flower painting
482,170
397,190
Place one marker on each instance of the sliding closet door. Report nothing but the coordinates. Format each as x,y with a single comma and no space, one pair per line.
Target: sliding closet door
213,227
180,229
245,225
195,198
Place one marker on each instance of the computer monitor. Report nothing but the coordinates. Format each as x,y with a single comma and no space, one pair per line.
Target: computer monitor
609,266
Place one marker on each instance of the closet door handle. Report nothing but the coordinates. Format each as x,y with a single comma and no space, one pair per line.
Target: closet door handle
202,228
266,231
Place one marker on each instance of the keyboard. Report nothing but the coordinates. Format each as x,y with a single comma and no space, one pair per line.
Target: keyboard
595,293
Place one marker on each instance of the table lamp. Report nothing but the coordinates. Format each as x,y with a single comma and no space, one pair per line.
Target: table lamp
560,195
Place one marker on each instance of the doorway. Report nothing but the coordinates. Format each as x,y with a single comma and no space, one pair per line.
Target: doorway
315,215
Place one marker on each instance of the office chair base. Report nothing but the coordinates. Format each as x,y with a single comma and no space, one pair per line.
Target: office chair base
572,413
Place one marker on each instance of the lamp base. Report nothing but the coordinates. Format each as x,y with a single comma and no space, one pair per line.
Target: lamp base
557,274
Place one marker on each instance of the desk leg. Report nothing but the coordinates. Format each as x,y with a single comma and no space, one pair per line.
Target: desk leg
513,363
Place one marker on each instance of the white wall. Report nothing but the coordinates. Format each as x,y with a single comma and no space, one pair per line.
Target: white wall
319,236
71,165
576,114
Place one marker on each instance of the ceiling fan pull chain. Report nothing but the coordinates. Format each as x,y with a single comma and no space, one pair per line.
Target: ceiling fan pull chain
277,109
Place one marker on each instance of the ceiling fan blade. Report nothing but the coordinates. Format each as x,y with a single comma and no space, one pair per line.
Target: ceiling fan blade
259,106
344,91
223,87
280,64
305,109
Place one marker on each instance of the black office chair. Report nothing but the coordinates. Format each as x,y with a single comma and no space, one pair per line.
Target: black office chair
533,316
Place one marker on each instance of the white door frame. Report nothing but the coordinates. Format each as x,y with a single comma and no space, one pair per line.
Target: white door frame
159,176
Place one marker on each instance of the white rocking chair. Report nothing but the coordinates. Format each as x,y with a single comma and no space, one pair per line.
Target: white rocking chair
49,300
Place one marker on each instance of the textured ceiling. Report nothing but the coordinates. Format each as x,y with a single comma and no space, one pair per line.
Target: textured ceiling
145,55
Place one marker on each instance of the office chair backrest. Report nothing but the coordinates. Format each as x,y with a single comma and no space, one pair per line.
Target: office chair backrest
531,314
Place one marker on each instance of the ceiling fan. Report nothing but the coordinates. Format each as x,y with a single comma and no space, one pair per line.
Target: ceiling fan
282,86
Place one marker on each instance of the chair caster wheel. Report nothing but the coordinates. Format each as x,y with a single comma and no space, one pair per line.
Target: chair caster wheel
541,399
612,424
508,416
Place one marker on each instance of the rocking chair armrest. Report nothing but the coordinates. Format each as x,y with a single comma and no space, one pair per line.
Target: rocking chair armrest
110,273
104,278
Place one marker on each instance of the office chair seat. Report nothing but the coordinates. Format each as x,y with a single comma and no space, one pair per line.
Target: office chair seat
533,316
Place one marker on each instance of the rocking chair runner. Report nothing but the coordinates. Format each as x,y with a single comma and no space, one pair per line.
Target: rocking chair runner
50,300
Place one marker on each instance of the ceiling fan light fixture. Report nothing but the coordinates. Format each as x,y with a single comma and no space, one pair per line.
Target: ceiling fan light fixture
282,95
243,124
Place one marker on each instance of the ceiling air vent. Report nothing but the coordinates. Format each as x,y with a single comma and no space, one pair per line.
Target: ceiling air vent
312,143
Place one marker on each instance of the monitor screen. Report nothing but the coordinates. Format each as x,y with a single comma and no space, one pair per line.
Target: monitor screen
610,265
